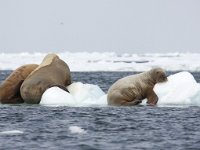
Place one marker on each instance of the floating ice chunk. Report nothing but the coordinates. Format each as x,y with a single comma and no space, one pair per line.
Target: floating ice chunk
55,96
79,95
11,132
180,89
77,129
86,94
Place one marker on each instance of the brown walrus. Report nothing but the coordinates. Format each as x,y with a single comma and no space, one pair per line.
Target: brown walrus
10,88
51,72
131,90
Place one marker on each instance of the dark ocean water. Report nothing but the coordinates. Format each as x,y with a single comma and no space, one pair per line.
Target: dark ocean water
139,127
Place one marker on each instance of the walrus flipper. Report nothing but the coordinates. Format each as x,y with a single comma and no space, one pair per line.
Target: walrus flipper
132,103
152,98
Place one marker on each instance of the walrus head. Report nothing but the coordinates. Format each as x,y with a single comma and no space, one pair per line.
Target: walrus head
48,59
159,75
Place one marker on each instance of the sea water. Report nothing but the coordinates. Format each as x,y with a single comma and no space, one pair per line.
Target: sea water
166,126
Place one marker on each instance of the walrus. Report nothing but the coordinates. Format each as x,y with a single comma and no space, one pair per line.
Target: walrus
10,87
51,72
131,90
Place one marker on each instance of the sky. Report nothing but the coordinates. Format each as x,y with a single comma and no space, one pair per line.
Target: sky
122,26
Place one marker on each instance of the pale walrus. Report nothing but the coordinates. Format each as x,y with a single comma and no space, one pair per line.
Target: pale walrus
51,72
131,90
10,88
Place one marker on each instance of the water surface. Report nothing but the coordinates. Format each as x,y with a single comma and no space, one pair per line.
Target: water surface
141,127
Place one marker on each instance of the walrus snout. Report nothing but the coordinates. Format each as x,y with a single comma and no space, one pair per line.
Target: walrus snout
152,103
164,79
161,79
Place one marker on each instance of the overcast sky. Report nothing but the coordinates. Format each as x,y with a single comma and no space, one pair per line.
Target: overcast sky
133,26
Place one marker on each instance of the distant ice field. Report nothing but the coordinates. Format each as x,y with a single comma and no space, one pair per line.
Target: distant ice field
109,61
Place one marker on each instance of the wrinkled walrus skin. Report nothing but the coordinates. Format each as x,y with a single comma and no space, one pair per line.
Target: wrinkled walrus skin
10,88
131,90
51,72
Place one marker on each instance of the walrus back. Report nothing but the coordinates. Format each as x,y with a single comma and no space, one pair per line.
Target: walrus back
127,89
10,88
127,81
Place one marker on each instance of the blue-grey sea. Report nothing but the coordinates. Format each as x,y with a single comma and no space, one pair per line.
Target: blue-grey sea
38,127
